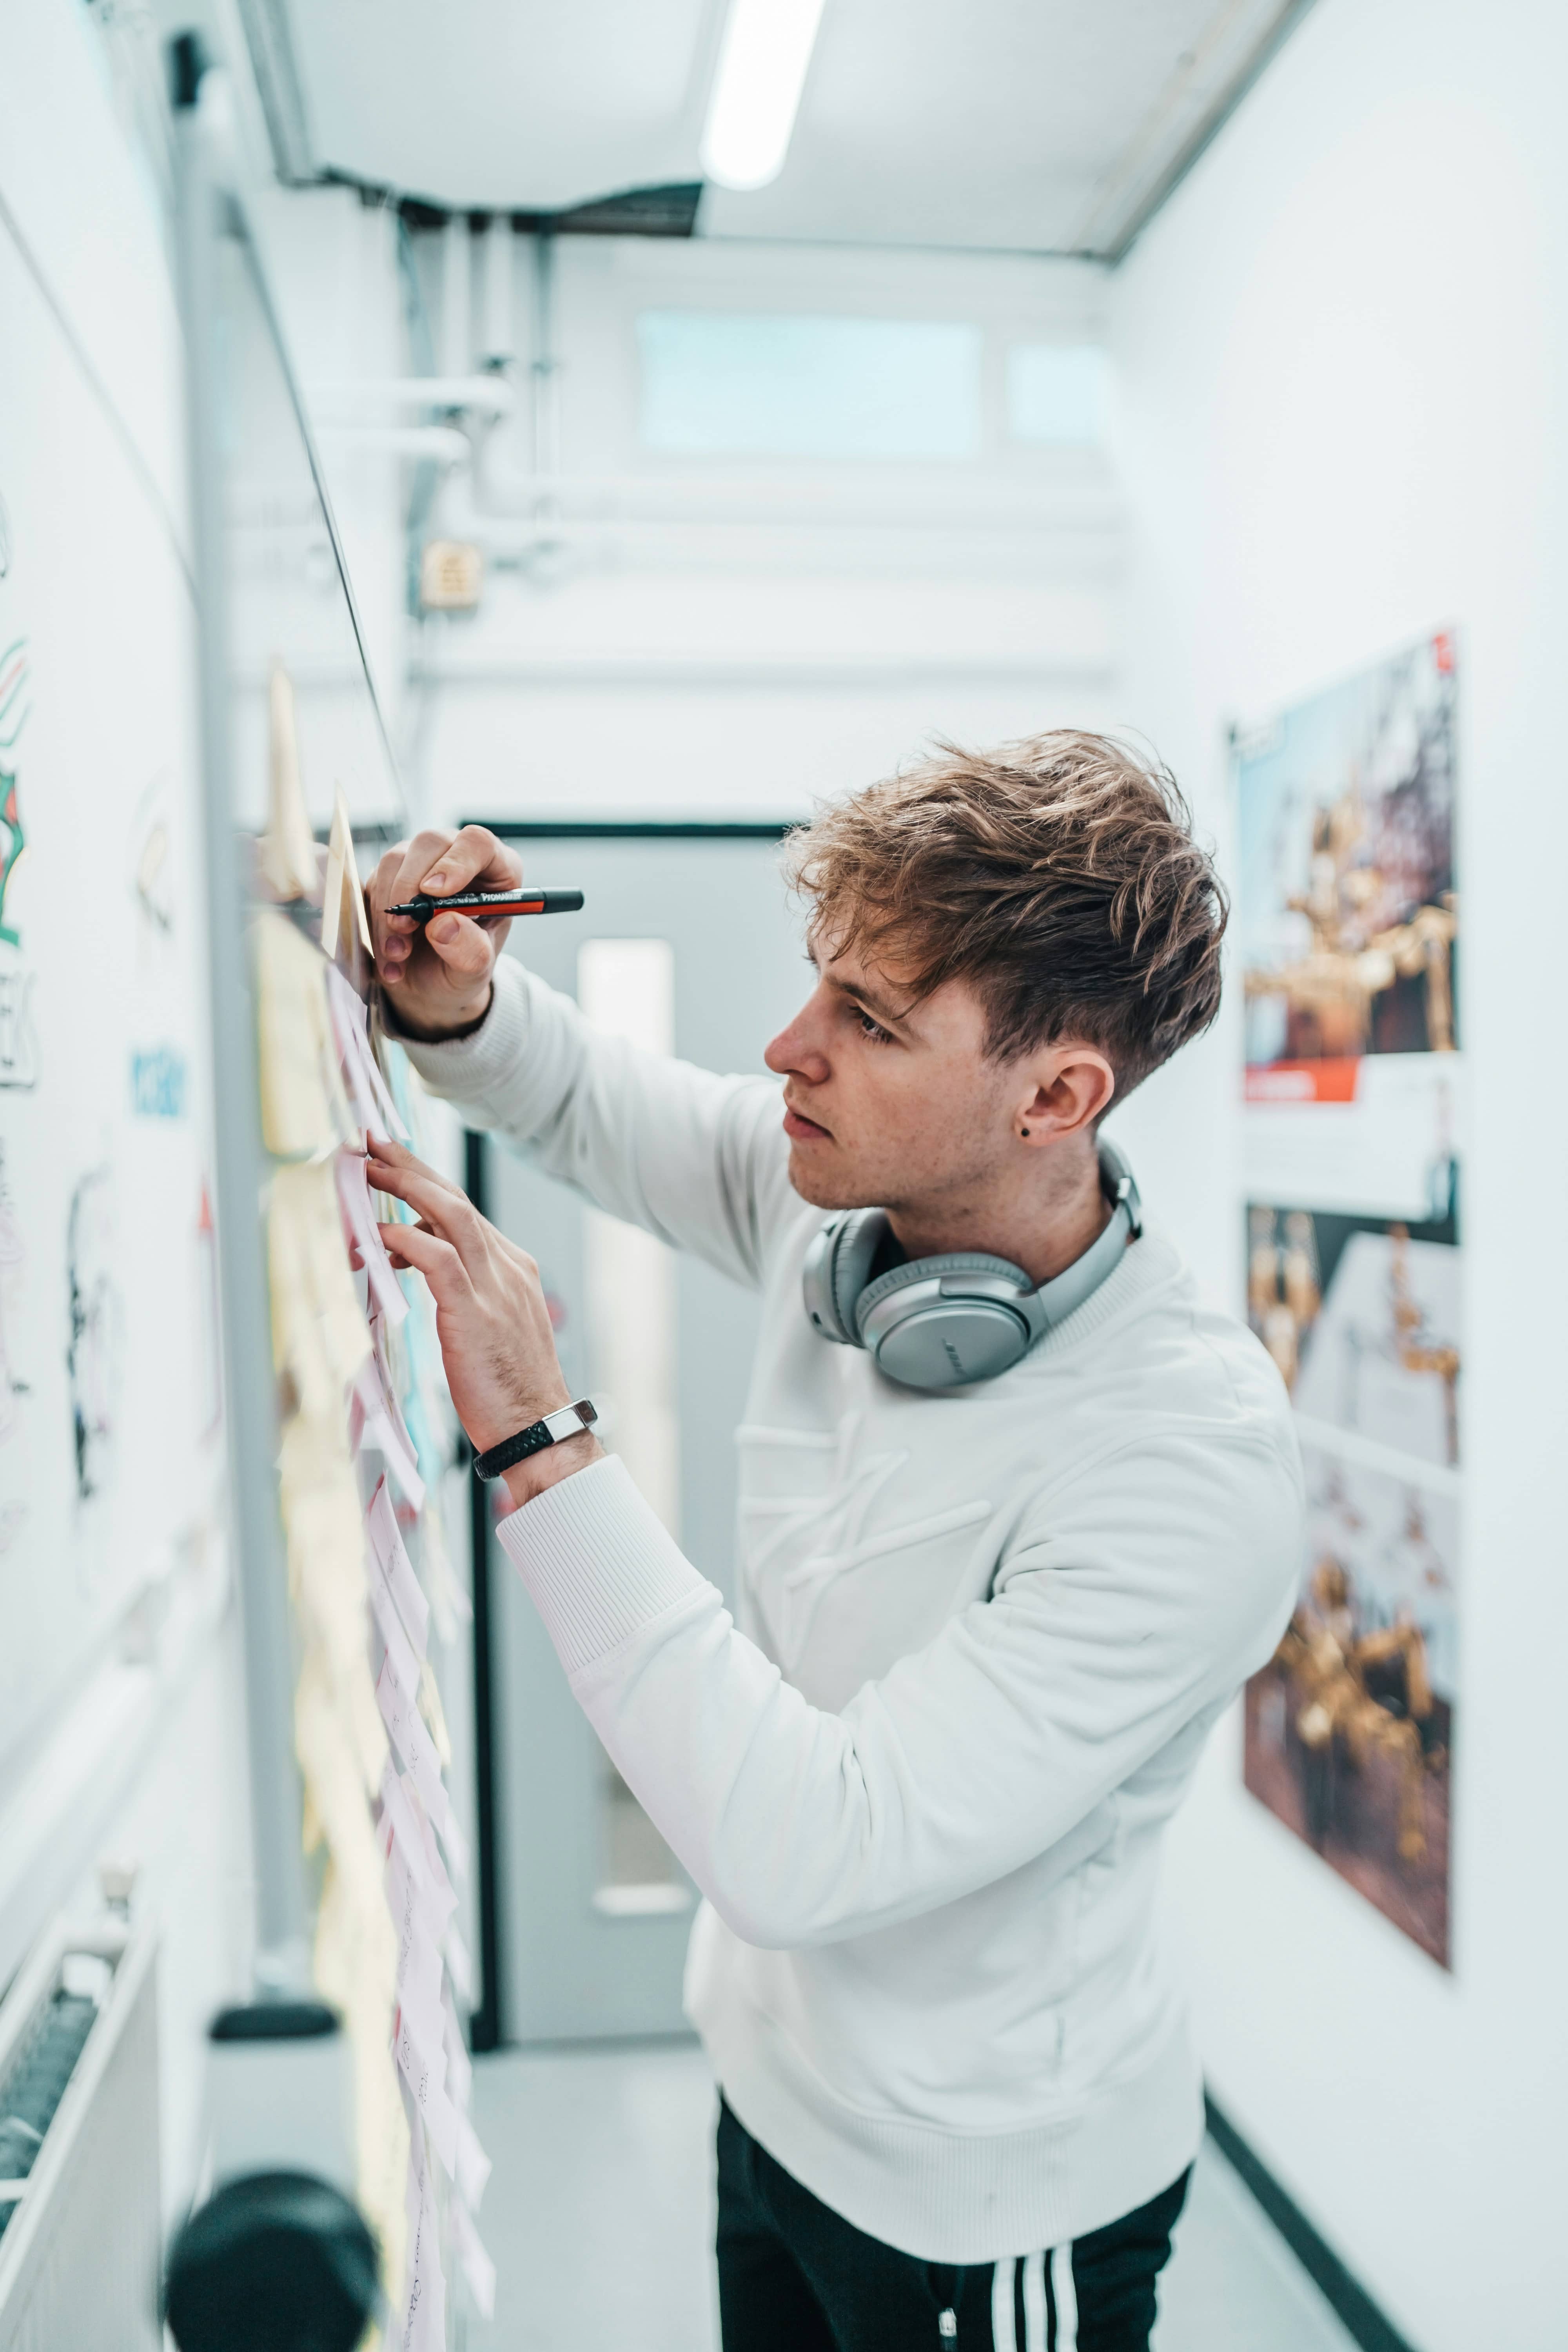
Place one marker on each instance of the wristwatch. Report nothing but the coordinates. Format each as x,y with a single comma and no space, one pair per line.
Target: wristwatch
565,1422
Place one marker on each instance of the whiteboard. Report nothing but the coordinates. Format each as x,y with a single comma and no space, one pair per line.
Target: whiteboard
110,1444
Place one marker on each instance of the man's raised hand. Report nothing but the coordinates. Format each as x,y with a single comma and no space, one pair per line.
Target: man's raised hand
439,977
497,1342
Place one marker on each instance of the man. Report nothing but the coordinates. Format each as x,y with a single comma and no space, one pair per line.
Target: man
1013,1528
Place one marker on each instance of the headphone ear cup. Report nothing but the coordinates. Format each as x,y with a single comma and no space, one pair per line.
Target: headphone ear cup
855,1252
837,1266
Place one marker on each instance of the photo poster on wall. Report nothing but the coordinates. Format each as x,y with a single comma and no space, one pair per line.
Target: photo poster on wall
1348,924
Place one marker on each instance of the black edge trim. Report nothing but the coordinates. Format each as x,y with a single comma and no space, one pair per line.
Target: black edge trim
485,2020
585,829
274,2021
1350,2300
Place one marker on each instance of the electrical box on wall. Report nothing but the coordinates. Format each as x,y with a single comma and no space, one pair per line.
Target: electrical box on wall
451,576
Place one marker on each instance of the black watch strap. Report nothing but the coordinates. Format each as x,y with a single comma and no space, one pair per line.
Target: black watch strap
565,1422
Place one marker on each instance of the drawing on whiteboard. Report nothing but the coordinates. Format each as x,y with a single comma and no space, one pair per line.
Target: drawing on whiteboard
158,1077
19,1038
152,867
97,1331
13,1258
14,711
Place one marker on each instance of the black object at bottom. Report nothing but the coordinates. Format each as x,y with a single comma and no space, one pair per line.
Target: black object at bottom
485,2022
794,2276
276,2261
1340,2287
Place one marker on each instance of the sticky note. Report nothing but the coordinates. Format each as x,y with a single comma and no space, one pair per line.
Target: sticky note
354,1191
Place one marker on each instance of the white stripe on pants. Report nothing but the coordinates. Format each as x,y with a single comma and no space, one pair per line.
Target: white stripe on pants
1065,2296
1035,2304
1003,2327
1037,2336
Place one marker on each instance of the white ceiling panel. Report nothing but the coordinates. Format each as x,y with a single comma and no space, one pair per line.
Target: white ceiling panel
1027,125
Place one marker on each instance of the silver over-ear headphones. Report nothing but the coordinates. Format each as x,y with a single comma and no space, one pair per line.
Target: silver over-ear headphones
941,1322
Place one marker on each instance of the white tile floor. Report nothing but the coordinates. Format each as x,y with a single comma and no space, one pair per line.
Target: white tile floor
599,2216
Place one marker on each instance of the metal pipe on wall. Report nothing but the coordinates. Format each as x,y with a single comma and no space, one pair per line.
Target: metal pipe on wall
249,1405
456,354
498,338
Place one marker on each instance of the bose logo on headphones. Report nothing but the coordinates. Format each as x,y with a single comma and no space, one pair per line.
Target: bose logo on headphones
955,1359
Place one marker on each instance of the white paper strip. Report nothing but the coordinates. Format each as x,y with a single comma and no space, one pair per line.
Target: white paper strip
423,2327
418,1975
473,2165
402,1819
425,2072
478,2267
362,1074
396,1565
410,1736
459,2065
459,1964
399,1648
354,1191
374,1420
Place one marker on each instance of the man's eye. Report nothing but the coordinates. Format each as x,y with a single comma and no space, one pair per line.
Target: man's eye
872,1029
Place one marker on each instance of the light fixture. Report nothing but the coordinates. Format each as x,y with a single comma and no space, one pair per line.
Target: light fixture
763,59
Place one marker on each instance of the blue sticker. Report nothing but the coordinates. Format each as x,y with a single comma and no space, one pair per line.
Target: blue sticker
158,1083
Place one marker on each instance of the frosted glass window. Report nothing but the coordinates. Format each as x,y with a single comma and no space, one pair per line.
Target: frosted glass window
626,987
1057,394
719,383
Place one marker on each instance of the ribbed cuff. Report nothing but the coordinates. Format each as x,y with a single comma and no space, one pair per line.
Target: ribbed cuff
464,1069
597,1561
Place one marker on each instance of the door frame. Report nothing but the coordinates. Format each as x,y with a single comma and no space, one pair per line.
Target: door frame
485,2021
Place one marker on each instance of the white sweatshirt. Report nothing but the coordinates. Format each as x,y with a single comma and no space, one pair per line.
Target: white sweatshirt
980,1641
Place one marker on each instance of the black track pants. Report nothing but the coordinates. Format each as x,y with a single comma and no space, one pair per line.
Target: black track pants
794,2277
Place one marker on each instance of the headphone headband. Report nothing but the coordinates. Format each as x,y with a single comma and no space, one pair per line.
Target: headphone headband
945,1322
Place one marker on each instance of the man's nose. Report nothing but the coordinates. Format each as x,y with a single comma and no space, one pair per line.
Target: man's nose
795,1053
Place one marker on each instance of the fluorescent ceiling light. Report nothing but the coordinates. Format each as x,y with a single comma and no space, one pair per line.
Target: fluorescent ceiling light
763,59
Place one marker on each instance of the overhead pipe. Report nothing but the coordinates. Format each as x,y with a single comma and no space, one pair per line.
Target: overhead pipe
441,444
498,339
456,348
485,395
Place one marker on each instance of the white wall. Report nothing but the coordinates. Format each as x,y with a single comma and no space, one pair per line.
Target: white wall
1343,350
723,638
142,1760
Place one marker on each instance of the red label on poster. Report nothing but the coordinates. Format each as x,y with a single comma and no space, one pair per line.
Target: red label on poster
1332,1081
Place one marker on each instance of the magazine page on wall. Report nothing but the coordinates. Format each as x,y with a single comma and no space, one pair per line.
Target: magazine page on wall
1349,921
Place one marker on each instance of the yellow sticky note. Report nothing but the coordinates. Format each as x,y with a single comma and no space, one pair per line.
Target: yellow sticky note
289,845
342,882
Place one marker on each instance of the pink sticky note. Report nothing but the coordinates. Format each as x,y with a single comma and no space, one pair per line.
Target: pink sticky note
399,1648
374,1420
387,1545
354,1191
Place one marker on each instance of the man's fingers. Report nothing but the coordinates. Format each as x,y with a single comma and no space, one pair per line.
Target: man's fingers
462,946
450,1213
472,860
427,1254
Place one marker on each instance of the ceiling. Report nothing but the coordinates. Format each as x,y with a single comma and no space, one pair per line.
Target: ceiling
1024,125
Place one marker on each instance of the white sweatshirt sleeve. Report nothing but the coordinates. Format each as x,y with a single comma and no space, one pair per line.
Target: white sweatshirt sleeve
701,1160
1165,1577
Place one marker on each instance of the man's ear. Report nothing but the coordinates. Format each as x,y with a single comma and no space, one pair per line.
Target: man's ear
1067,1087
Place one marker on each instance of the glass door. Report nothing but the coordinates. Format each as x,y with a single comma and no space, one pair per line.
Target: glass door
688,945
